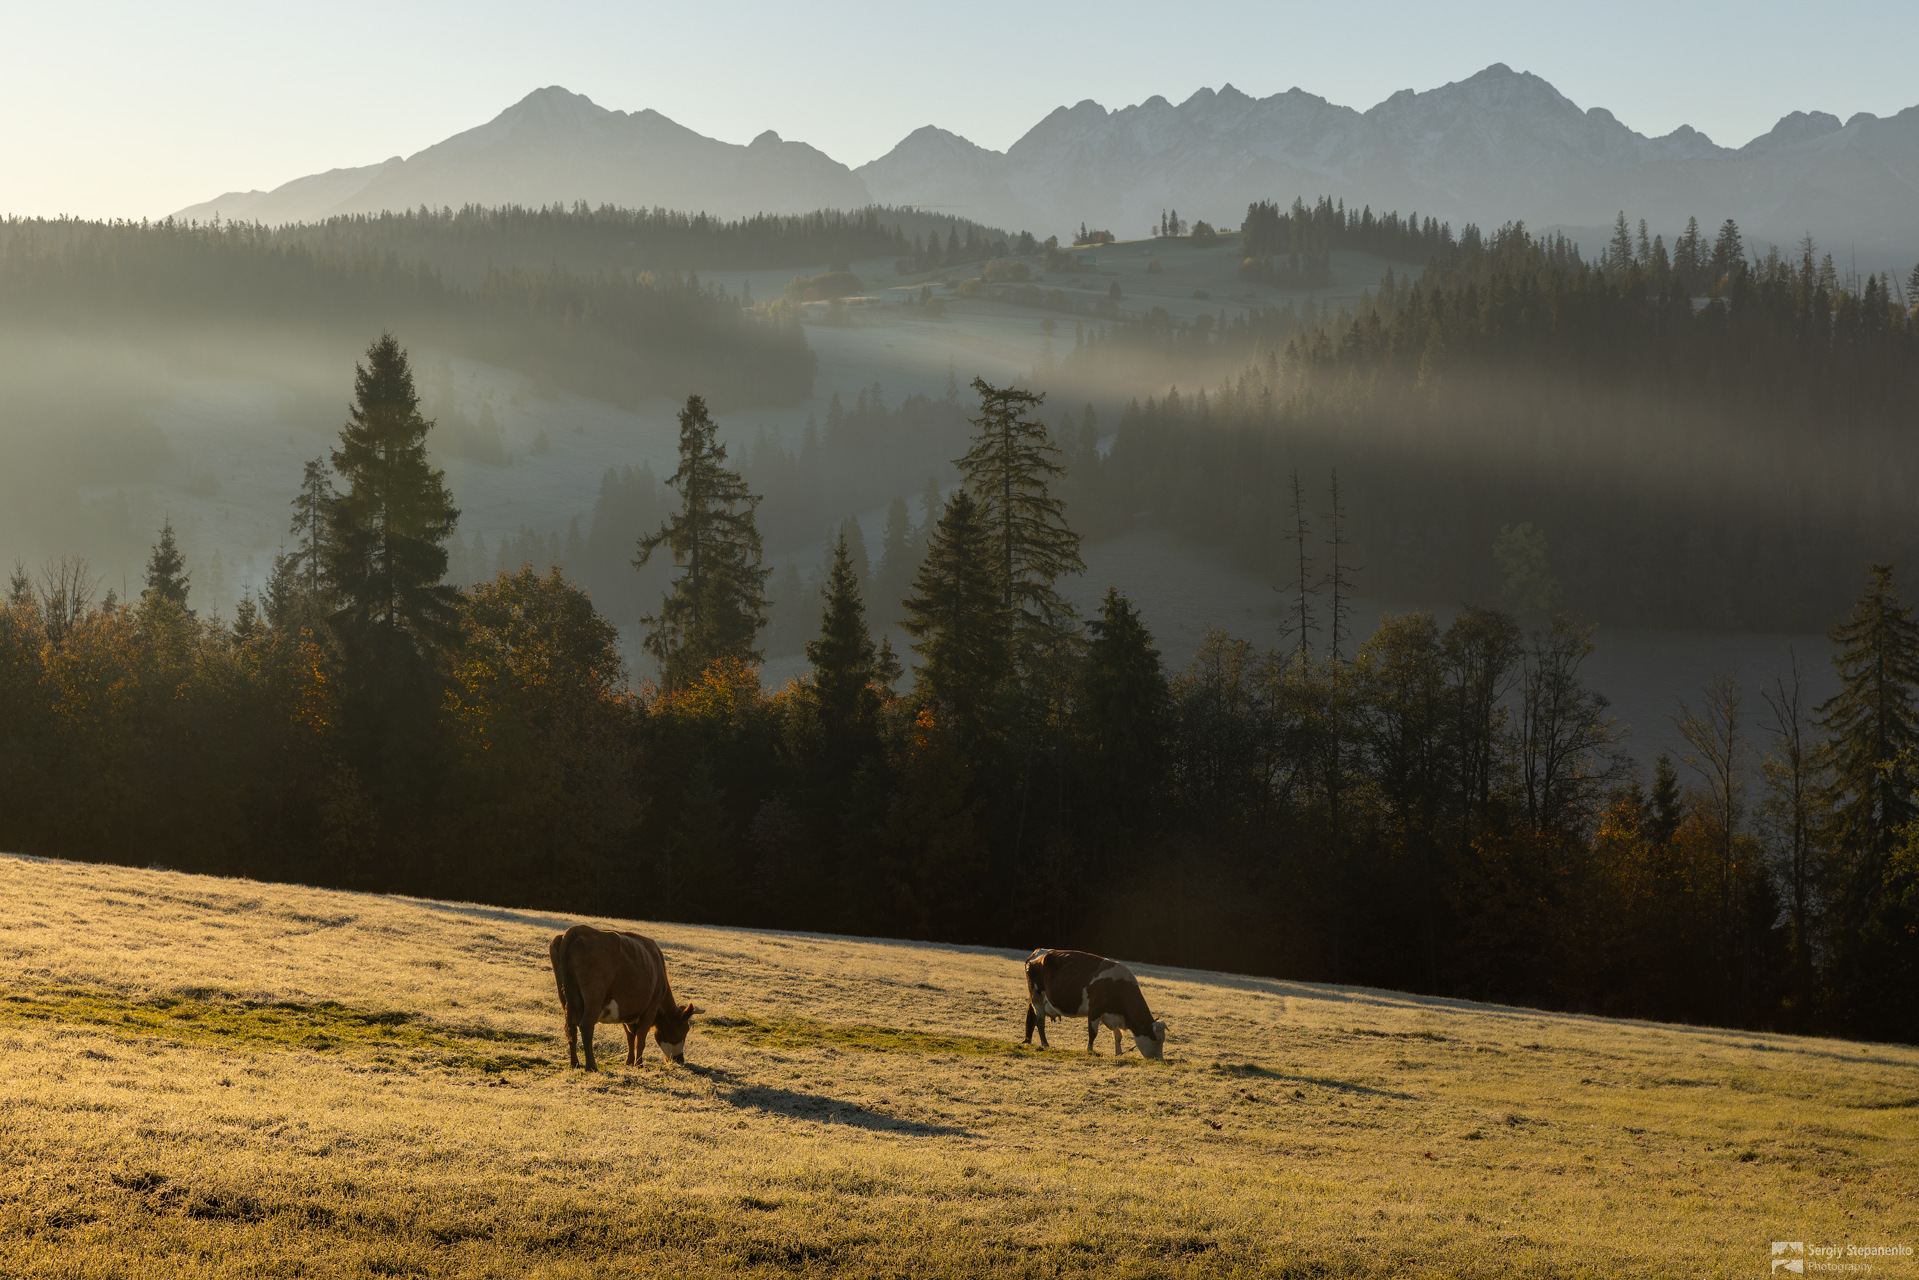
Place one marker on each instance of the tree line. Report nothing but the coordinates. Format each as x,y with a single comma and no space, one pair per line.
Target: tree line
1433,808
193,293
462,243
1292,248
1705,437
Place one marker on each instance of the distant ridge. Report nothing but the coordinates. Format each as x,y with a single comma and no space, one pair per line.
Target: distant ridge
1497,146
553,146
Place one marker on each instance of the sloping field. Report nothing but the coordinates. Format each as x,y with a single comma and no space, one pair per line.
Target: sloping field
203,1077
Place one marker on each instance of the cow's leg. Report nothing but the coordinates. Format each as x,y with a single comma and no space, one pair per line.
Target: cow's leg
572,1042
586,1036
635,1045
1036,1021
1116,1042
1092,1032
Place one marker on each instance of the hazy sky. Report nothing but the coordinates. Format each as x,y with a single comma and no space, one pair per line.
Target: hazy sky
139,109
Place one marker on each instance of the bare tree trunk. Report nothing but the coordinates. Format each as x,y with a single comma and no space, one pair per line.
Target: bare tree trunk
1716,756
1791,779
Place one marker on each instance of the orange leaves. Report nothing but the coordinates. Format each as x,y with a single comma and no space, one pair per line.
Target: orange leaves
727,692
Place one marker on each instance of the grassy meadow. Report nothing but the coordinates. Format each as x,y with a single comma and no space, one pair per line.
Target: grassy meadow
206,1077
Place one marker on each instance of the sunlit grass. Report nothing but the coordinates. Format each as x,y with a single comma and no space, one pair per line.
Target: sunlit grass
220,1078
327,1027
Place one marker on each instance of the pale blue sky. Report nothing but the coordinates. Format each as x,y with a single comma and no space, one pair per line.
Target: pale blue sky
138,109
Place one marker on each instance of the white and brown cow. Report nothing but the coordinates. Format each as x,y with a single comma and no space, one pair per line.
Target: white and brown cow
606,976
1078,984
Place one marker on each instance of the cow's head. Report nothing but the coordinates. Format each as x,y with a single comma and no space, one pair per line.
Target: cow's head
670,1031
1153,1046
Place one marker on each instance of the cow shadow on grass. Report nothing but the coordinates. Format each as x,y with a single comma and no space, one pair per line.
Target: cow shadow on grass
1252,1070
744,1095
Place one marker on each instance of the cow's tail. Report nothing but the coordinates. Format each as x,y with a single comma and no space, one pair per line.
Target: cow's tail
570,995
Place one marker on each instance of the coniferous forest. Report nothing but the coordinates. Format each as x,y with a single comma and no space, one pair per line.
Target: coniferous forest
1433,808
1703,436
617,335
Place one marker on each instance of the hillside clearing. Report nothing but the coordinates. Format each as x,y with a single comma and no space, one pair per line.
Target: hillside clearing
205,1077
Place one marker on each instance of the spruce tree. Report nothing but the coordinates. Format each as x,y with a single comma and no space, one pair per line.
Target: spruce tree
714,609
1872,724
1619,254
932,503
1009,471
1872,749
844,659
1688,256
296,594
1668,805
1728,253
395,624
309,524
1124,711
897,556
385,548
855,539
959,618
167,576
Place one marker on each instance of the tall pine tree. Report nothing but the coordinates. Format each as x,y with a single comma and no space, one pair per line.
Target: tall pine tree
714,609
1009,471
1872,752
958,618
845,661
167,576
1872,724
1124,715
385,549
309,526
396,624
898,554
296,594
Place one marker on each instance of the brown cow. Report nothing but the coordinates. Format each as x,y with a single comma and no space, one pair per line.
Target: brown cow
1082,985
604,976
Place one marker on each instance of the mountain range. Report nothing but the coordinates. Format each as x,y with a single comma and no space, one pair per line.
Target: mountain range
1497,146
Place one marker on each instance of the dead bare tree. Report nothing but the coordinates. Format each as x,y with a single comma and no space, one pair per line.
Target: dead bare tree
1337,579
1565,736
1717,756
66,590
1791,772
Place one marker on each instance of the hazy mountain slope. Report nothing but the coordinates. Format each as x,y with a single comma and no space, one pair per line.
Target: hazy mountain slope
1490,147
935,169
1496,146
555,146
297,201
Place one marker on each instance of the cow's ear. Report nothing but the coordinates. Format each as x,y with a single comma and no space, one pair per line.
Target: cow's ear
692,1009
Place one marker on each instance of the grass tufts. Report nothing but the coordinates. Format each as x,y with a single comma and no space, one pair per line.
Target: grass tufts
324,1027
